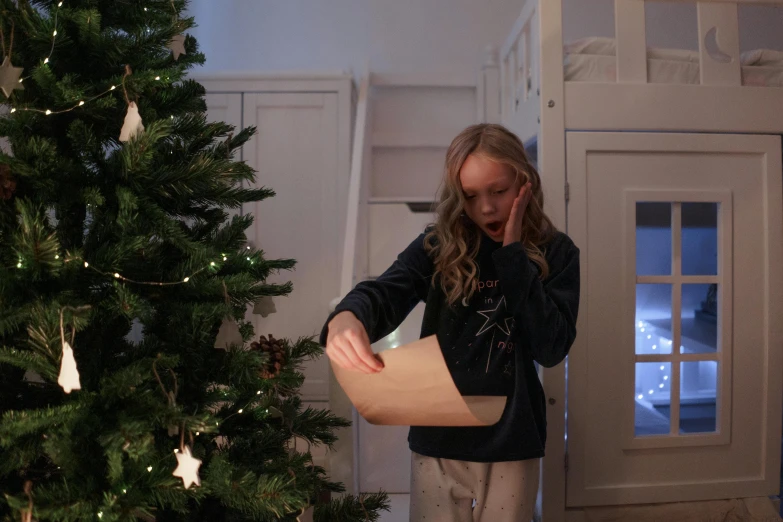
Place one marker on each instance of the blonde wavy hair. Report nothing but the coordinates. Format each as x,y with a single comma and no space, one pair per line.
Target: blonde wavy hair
453,242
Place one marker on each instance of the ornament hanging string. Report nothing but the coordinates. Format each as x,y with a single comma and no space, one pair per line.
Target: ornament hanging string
170,396
128,72
2,38
73,329
27,514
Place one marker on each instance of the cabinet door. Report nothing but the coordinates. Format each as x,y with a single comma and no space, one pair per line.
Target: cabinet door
674,389
295,153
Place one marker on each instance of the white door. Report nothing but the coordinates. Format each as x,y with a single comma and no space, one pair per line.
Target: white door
295,153
674,384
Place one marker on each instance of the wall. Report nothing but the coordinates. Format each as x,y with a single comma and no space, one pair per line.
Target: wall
396,36
401,36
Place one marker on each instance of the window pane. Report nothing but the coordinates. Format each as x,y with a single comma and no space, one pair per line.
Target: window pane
700,239
653,238
652,402
653,322
698,405
699,319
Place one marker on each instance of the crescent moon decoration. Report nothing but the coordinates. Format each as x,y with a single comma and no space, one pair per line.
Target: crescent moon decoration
713,49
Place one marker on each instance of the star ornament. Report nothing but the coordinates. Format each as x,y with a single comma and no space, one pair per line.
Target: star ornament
487,314
187,468
9,77
177,45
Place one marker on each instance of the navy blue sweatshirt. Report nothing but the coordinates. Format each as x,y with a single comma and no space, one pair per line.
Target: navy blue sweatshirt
490,345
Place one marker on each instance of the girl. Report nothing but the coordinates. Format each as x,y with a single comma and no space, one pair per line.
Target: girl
501,287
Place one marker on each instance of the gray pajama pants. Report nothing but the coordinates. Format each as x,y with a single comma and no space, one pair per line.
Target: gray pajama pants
443,490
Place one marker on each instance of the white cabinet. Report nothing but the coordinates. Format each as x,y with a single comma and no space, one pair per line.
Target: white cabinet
674,389
301,150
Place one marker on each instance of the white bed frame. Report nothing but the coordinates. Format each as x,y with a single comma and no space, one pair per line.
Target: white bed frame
536,103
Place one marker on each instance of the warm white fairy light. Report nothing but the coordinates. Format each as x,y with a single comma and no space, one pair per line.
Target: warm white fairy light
117,275
149,469
240,410
49,111
157,77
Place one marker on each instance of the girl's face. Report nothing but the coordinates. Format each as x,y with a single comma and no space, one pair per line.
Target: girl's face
489,189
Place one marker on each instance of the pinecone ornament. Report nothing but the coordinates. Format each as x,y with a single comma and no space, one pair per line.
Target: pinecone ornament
7,183
275,350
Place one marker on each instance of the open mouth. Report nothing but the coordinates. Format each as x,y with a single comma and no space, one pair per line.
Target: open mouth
494,227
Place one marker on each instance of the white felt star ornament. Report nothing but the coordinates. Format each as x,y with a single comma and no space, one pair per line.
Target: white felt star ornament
9,77
187,468
177,45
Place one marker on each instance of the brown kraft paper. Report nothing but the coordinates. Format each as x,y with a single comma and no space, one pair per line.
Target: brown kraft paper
415,388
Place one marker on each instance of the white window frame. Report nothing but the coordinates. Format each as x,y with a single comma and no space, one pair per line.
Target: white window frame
723,354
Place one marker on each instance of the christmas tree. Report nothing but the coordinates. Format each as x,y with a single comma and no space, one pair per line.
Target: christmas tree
131,385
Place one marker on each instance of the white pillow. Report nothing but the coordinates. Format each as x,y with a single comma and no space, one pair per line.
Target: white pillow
603,46
762,57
